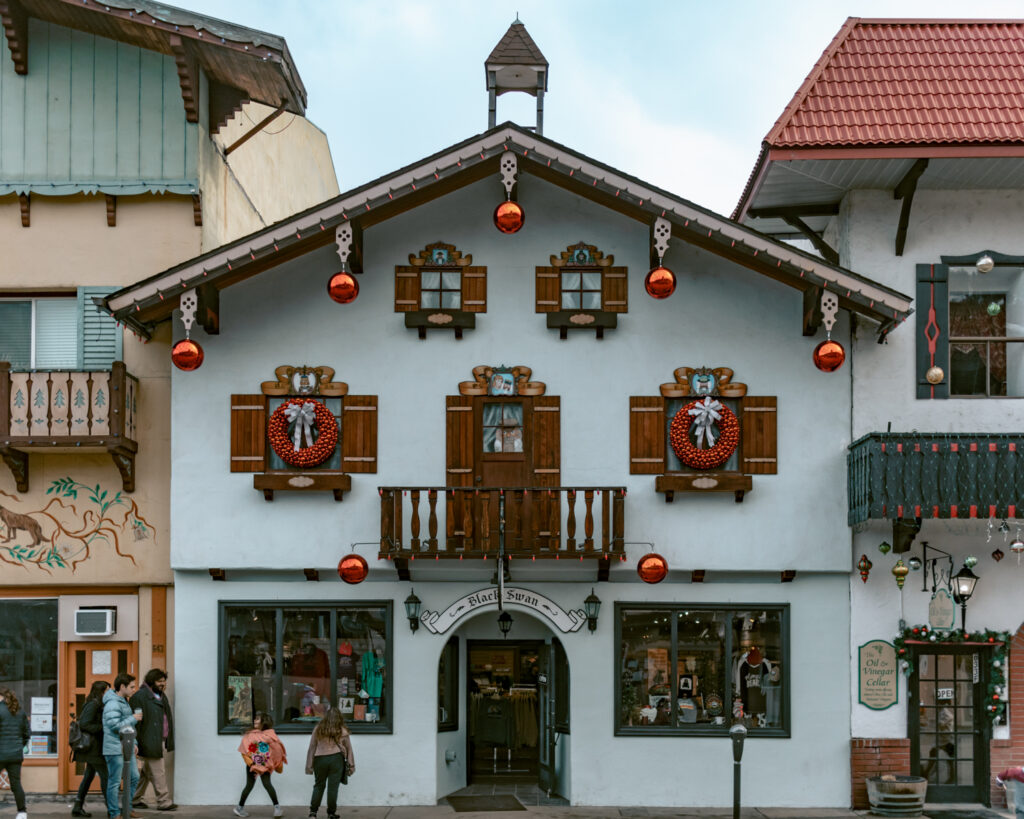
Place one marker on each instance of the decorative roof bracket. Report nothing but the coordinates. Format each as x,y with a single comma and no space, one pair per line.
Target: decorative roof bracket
905,190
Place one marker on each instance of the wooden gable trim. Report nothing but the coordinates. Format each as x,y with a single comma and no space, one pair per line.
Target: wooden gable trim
15,22
225,102
187,64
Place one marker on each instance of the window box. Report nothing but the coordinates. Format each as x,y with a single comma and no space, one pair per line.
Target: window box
455,320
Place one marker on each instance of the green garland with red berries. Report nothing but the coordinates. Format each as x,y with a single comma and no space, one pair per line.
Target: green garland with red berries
998,702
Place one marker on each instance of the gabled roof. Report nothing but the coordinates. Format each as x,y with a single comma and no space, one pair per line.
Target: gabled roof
154,299
251,64
911,82
516,48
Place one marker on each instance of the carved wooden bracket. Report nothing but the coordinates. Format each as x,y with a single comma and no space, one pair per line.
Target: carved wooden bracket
304,381
208,311
111,210
225,102
17,462
502,381
311,574
25,202
124,460
905,190
197,210
703,381
188,76
15,22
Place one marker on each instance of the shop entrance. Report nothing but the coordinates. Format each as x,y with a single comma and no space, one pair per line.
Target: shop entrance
517,710
948,729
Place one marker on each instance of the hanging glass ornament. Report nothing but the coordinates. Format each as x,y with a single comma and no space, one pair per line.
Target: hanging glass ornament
970,561
998,555
652,568
343,287
900,572
187,355
829,356
934,375
660,283
988,537
353,568
994,308
914,562
864,567
884,547
1017,547
509,216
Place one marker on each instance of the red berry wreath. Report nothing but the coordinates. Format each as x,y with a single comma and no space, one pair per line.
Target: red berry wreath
326,426
687,451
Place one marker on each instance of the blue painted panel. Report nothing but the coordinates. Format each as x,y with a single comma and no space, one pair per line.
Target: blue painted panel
93,115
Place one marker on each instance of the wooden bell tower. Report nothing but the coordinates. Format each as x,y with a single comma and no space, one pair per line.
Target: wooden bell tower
516,64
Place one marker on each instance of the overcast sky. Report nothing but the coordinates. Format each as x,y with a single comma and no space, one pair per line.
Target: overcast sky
677,92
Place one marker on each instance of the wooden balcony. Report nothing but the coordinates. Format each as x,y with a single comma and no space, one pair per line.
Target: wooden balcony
68,411
539,522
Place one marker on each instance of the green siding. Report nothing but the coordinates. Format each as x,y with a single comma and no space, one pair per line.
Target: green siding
93,115
101,337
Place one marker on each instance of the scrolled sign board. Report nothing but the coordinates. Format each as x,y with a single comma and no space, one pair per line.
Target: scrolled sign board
878,675
941,611
438,622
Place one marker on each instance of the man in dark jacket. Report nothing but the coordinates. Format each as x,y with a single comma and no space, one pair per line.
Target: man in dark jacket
155,734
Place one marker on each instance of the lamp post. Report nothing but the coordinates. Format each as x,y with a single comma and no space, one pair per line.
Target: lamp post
412,610
592,607
963,587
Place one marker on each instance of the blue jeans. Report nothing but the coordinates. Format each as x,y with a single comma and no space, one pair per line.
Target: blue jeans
115,767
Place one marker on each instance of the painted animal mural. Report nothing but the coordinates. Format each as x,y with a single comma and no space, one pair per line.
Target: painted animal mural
74,522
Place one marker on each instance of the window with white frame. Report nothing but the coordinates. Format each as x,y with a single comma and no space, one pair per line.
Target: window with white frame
39,333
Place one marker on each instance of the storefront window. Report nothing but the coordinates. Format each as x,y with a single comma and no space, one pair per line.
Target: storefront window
448,687
294,661
684,670
28,666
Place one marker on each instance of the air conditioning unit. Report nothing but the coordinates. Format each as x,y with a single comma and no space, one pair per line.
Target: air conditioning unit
95,622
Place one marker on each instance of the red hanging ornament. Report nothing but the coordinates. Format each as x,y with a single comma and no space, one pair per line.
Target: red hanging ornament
343,287
998,555
652,568
187,355
829,356
509,216
864,566
353,569
660,283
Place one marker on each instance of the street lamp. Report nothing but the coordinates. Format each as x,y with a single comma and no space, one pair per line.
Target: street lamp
963,587
592,607
412,610
505,623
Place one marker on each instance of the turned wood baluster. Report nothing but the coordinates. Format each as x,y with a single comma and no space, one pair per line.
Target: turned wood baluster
555,514
570,526
526,521
606,512
449,520
414,523
619,508
469,500
518,501
387,505
484,512
588,520
432,520
538,518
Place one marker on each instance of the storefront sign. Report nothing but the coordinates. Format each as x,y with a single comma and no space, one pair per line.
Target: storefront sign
879,677
515,598
941,611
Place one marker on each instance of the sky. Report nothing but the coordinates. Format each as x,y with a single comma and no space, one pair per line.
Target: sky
676,92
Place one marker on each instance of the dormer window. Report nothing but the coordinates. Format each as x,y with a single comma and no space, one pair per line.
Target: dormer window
440,289
581,290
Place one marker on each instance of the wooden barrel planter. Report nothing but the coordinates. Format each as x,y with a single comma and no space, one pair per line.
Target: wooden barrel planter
892,795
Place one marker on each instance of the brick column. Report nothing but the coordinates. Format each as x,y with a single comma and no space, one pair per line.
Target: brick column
875,757
1007,752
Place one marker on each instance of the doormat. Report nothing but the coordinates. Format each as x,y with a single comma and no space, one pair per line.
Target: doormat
977,813
497,802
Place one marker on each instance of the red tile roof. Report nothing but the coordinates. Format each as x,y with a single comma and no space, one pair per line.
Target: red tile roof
516,48
911,82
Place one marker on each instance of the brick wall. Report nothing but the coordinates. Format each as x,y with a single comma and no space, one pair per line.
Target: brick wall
875,757
1007,752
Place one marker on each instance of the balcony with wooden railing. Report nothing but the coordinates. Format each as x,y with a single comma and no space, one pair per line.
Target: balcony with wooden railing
437,522
68,411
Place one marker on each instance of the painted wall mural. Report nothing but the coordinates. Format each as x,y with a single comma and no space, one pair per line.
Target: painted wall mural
71,527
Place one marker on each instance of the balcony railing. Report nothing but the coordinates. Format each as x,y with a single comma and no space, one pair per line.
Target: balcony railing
87,410
538,522
935,475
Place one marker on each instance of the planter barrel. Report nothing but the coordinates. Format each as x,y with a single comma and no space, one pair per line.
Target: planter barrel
893,795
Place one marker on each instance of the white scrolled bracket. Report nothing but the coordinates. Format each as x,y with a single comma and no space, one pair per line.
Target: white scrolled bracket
661,232
509,172
343,239
829,310
188,305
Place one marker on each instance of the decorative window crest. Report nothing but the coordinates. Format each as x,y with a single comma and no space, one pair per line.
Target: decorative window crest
502,381
582,255
304,380
440,254
703,381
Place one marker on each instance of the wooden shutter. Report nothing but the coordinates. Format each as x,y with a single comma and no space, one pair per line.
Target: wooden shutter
359,433
549,290
474,289
932,329
459,438
547,441
407,289
614,290
101,337
647,434
758,435
248,432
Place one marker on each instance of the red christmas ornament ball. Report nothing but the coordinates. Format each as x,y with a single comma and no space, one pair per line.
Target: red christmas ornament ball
343,288
353,569
652,568
660,283
187,355
509,217
829,356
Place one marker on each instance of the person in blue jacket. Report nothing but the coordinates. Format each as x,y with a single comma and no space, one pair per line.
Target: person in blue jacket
117,714
13,738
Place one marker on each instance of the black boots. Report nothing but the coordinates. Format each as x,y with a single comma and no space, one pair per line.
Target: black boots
78,810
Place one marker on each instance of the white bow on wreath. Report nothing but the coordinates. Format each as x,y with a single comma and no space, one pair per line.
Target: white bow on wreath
706,414
302,416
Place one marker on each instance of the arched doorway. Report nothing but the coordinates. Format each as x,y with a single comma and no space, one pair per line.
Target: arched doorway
503,707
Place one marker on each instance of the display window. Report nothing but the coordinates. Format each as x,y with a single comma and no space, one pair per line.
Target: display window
295,661
699,670
448,687
28,666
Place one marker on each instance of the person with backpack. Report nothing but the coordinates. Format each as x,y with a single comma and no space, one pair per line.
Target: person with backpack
13,738
117,714
156,734
87,747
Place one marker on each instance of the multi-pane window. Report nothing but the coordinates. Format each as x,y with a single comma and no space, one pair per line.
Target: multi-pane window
503,427
581,290
294,661
700,669
39,333
440,289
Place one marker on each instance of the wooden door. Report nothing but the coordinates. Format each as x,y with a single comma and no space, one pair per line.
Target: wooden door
503,430
84,663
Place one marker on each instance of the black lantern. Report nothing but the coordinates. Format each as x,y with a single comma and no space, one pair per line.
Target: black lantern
963,587
592,607
412,610
505,623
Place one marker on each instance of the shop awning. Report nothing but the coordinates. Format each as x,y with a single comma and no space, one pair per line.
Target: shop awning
935,475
